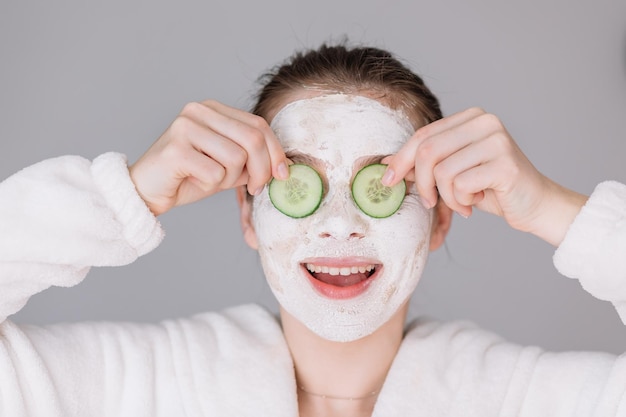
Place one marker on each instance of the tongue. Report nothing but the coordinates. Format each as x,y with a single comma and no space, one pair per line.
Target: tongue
340,280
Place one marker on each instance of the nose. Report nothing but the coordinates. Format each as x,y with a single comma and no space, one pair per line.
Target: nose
340,219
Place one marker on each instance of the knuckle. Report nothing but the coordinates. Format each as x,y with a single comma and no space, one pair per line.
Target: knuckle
460,197
440,172
258,122
216,174
238,158
425,150
191,108
491,121
173,151
209,103
462,185
500,142
476,110
422,133
181,126
255,140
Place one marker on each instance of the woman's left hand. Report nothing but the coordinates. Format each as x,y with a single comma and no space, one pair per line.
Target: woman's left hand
470,160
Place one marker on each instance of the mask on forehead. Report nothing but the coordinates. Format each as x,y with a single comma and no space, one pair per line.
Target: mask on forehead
340,272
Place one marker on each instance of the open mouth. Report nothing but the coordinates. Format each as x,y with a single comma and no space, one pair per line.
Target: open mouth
341,281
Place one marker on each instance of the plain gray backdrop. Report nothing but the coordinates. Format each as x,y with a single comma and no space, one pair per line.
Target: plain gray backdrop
81,77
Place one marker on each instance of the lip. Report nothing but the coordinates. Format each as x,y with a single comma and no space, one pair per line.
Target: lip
336,292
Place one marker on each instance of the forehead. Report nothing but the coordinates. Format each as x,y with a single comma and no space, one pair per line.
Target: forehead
341,126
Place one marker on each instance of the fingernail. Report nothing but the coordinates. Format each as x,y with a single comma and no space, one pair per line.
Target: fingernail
465,216
388,177
258,191
283,171
426,202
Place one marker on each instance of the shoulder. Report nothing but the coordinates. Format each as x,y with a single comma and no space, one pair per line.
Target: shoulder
453,367
226,331
459,348
457,334
236,337
249,323
463,348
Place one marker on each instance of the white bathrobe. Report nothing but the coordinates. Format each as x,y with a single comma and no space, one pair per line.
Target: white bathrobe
62,216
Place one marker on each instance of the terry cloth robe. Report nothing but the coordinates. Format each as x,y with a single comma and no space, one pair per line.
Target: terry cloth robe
62,216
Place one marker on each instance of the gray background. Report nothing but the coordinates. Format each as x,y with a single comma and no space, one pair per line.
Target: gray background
85,78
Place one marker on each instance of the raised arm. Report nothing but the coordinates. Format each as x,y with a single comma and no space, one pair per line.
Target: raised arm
60,217
469,160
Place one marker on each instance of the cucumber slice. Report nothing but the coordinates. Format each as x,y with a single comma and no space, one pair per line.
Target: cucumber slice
299,195
372,197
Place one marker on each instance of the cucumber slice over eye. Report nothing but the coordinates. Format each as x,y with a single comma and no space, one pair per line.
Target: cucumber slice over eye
299,195
372,197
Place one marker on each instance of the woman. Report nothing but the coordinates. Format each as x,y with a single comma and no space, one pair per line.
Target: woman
342,278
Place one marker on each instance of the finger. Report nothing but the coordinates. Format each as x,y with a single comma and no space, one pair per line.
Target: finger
435,149
498,175
219,118
212,145
205,173
449,122
404,159
469,187
422,154
447,172
228,154
242,180
278,160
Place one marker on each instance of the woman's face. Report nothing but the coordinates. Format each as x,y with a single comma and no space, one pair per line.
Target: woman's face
340,272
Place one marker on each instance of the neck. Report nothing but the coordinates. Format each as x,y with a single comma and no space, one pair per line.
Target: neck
350,372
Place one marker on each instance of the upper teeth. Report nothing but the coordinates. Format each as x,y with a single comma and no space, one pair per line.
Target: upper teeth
345,270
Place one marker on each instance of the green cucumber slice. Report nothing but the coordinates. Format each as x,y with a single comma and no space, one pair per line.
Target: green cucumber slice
299,195
372,197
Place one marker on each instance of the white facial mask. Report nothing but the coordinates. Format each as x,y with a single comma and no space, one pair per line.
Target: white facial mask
341,131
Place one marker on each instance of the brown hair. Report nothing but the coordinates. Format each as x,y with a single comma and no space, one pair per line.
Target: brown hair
339,69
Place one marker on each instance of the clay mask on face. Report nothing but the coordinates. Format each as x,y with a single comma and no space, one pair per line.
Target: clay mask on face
341,273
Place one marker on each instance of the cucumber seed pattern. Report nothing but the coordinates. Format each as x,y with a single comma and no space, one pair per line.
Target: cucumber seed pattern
296,190
377,192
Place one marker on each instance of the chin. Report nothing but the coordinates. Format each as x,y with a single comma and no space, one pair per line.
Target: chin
343,313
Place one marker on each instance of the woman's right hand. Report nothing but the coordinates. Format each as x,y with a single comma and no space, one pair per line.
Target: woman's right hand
209,147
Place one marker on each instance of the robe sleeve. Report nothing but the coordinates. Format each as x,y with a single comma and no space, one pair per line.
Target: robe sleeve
61,216
594,248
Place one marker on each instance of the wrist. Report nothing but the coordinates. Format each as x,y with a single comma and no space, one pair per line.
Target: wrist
557,212
137,182
111,176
